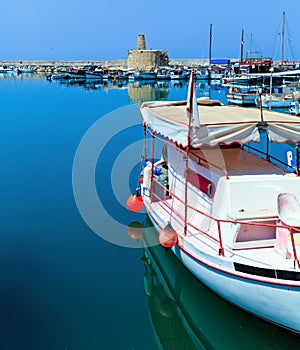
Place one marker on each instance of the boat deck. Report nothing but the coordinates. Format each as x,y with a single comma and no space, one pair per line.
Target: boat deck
263,257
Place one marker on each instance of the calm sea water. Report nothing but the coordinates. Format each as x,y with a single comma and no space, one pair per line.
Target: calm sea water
70,277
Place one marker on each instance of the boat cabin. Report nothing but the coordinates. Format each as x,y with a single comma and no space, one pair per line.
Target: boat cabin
218,187
237,186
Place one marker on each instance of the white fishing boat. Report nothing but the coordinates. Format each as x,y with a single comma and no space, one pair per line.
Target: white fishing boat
163,74
239,79
94,75
278,100
216,76
58,76
202,74
134,77
241,96
179,75
76,73
25,70
148,75
7,69
230,216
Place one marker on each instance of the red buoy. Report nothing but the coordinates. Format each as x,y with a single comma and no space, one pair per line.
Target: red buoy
135,203
135,230
168,237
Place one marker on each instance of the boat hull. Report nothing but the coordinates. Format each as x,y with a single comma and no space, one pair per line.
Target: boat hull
182,76
266,299
148,76
93,76
241,99
239,80
277,103
163,77
76,76
202,76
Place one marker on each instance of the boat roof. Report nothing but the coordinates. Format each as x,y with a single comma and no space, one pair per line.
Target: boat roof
219,124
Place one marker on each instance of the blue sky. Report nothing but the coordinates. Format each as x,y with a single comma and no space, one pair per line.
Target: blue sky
103,29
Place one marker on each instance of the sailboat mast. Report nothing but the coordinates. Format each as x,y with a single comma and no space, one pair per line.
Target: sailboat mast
242,46
209,54
282,39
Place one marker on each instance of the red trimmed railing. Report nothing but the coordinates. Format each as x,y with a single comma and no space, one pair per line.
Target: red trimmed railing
186,224
167,207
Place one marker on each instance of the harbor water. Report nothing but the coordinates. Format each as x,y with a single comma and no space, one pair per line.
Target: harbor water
71,275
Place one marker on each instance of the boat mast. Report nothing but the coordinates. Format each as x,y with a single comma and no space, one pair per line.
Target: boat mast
191,105
209,54
242,46
282,39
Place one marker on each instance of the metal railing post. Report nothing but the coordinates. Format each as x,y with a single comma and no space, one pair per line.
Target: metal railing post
221,249
294,248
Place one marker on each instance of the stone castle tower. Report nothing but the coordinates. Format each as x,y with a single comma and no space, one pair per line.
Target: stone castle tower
141,44
141,58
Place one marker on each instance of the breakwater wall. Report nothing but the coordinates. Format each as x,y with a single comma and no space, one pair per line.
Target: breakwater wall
63,63
105,63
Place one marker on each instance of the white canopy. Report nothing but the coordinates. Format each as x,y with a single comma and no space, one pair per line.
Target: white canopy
218,123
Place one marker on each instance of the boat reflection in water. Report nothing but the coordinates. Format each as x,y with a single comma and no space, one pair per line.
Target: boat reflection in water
187,315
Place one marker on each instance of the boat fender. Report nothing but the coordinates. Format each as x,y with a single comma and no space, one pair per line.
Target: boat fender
147,176
168,237
135,202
